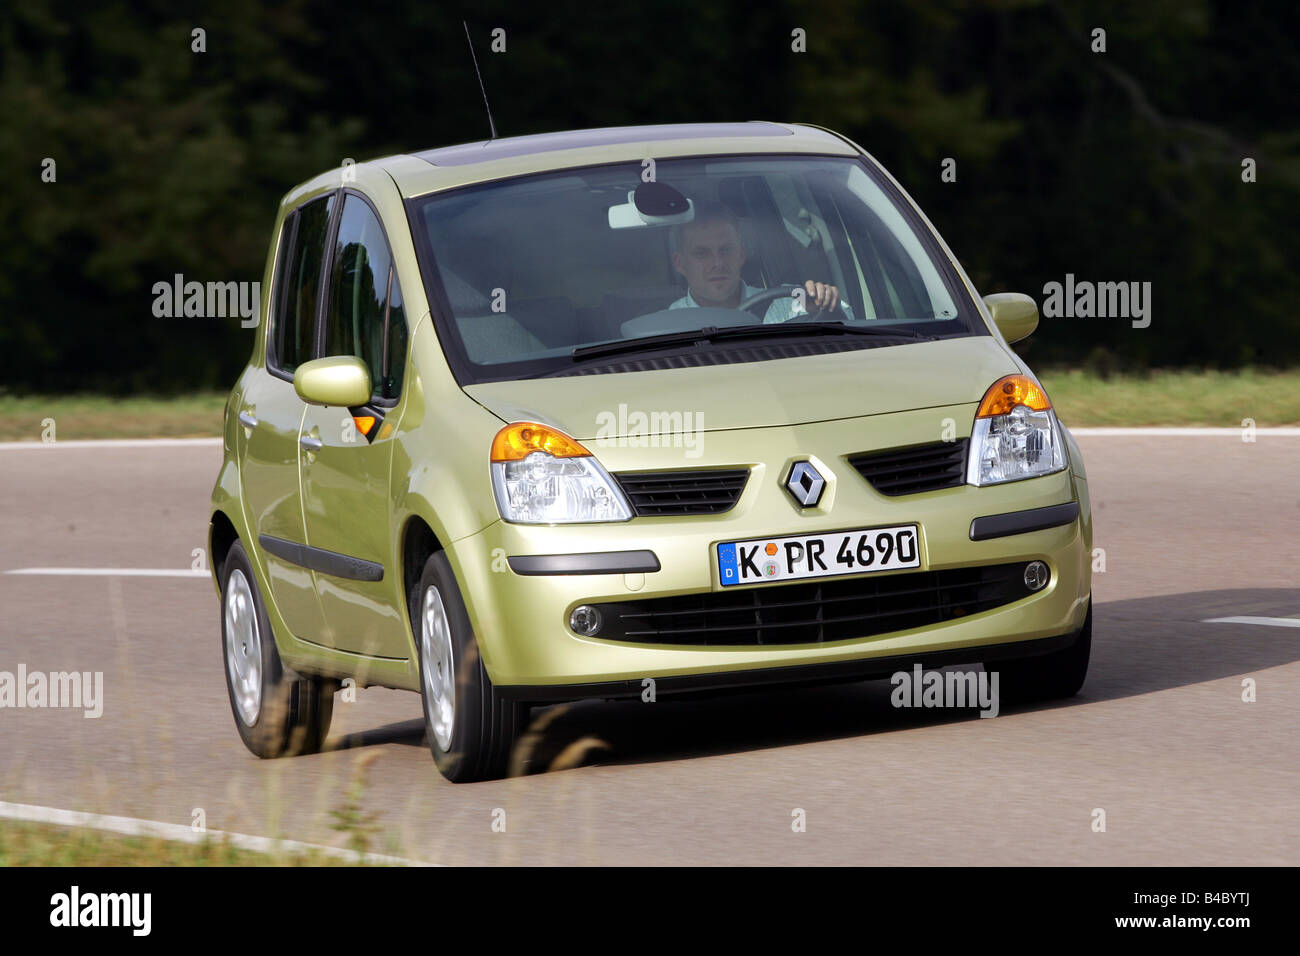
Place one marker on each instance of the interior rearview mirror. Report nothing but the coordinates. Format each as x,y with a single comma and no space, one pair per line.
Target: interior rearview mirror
651,204
340,380
1014,313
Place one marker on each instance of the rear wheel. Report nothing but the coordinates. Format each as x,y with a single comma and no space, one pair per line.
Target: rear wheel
1051,676
471,729
278,713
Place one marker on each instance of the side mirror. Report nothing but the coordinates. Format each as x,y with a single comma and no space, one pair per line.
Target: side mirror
341,380
1014,313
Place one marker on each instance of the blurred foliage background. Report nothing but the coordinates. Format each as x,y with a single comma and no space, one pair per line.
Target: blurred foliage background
1115,166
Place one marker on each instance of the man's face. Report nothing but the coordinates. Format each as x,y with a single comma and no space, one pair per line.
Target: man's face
710,259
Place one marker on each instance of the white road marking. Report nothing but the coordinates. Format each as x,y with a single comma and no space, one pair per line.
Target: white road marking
1266,621
115,572
114,443
1104,432
131,826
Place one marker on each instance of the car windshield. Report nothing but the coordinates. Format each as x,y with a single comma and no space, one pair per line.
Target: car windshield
577,271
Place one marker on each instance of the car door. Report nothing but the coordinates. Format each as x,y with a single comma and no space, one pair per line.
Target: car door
271,414
346,454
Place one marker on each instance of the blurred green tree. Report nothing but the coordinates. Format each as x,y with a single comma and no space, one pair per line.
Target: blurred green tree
1122,165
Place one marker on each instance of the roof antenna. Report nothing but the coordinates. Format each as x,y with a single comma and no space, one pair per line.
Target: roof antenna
491,125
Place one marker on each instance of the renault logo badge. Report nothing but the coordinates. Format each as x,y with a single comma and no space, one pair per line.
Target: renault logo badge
805,483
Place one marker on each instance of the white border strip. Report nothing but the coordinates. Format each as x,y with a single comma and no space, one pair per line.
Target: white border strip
1100,432
115,572
1086,431
130,826
115,443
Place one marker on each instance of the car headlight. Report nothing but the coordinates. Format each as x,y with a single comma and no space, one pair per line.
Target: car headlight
542,476
1016,434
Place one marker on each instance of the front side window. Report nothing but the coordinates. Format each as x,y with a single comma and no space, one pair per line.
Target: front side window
364,315
293,328
551,274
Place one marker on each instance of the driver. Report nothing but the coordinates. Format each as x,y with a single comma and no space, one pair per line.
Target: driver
708,251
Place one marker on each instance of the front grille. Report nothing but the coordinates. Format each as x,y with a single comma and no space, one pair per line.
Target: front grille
683,492
814,612
907,471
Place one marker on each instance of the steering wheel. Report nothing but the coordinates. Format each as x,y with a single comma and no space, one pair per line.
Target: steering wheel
779,292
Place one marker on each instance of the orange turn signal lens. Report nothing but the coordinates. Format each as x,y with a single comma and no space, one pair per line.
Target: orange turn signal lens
519,440
364,423
1006,393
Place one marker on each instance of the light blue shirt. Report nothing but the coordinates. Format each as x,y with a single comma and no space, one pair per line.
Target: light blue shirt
782,309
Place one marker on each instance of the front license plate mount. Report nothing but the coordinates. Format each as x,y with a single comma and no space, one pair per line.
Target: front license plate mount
828,554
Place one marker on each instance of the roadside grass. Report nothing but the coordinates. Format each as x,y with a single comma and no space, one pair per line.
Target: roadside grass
1177,397
368,843
1188,398
39,844
97,416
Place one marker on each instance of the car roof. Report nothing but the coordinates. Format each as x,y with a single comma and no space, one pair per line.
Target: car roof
450,166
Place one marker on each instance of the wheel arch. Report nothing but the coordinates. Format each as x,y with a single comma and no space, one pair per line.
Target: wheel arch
418,541
222,535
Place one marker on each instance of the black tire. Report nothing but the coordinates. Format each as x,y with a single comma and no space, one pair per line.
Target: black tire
1053,676
484,725
295,711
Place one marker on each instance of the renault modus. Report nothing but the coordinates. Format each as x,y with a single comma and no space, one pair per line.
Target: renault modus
628,413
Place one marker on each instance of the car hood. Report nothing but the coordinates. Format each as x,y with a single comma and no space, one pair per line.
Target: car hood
788,391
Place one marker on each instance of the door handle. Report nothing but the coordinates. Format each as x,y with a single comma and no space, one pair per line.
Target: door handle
247,419
311,444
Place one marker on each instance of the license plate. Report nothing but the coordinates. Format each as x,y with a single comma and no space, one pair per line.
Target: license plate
817,555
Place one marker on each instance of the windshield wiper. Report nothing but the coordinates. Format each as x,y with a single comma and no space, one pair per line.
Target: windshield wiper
712,333
818,328
645,343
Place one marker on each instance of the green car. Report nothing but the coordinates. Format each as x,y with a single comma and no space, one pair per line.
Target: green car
627,413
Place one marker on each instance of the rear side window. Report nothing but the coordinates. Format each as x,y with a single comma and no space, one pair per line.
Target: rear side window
293,329
364,314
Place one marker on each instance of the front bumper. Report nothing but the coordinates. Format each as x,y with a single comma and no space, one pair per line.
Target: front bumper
521,619
829,672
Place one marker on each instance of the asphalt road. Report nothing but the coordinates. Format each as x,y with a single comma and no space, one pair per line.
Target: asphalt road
1160,738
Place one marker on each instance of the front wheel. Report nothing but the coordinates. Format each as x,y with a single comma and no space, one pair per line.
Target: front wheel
278,713
471,728
1053,676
